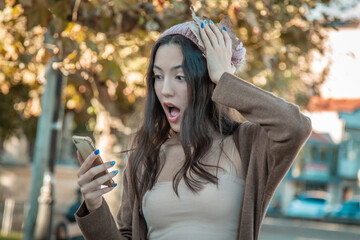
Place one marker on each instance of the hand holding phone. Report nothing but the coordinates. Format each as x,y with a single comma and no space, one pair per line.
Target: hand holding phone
93,173
86,147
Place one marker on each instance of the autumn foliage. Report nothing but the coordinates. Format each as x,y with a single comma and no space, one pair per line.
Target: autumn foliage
102,47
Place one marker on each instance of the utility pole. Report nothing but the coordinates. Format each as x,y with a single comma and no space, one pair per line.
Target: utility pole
43,146
43,228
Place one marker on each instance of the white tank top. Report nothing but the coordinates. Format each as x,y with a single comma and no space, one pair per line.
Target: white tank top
212,213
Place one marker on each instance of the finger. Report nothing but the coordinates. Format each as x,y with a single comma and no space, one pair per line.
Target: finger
95,194
211,35
227,39
79,157
96,183
92,172
218,34
86,165
204,37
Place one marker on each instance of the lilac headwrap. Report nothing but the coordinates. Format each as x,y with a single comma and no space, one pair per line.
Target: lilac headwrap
191,31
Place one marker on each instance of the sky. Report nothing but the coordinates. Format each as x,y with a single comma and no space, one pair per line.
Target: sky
343,51
343,55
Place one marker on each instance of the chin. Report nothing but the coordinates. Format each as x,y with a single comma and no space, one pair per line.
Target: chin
175,128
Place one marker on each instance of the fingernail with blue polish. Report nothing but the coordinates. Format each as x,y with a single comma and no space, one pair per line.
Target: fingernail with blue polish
206,22
112,163
211,22
202,25
97,151
115,185
224,29
116,172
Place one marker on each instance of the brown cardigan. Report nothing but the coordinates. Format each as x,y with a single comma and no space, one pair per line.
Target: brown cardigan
267,143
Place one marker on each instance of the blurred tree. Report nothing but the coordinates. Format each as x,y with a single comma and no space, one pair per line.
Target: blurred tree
102,47
279,41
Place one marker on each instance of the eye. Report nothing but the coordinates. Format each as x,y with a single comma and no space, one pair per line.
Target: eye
181,78
157,77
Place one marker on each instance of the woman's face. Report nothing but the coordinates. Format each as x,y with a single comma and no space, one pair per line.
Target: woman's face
170,85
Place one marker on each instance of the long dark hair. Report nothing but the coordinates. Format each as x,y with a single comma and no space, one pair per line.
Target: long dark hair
201,115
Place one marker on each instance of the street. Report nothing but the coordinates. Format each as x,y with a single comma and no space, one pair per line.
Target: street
293,229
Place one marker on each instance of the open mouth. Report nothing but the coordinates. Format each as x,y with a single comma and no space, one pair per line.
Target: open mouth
173,112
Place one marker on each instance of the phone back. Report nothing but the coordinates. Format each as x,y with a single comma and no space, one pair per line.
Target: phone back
86,147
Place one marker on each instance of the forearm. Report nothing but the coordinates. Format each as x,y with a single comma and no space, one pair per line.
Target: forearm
280,119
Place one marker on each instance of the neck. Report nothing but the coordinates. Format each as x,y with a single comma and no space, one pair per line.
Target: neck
215,135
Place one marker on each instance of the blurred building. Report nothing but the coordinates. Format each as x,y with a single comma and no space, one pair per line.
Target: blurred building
349,154
330,159
323,164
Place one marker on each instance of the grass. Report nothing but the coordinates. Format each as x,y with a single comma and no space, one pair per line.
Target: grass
12,236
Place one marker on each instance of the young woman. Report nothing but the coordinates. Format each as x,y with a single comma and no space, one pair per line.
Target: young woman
196,173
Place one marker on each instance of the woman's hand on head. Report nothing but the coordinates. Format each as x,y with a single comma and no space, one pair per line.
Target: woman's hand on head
90,187
218,48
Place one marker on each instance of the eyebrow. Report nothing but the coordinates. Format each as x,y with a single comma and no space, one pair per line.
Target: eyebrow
173,68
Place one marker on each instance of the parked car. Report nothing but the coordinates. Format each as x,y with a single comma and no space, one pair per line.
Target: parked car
348,210
310,204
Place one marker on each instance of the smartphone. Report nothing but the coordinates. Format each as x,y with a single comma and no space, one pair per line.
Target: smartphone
86,146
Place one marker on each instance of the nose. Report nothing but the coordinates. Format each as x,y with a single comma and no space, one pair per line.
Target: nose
167,87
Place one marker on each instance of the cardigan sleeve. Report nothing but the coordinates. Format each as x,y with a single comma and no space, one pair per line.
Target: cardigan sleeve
98,224
275,132
125,213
